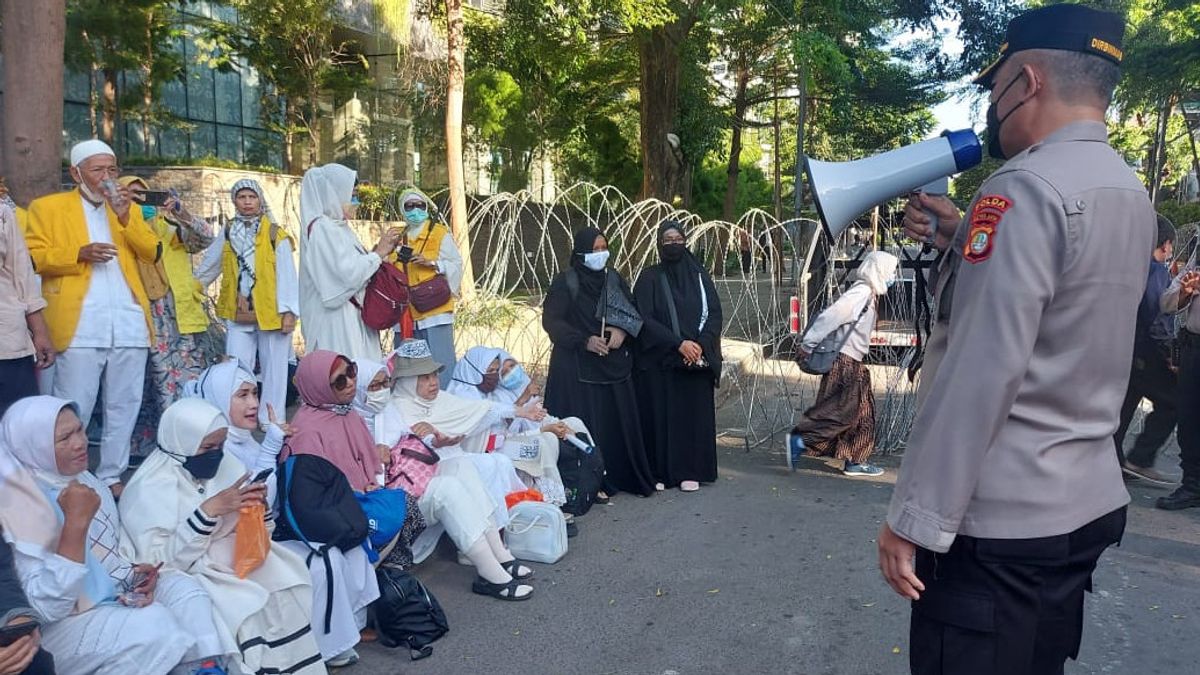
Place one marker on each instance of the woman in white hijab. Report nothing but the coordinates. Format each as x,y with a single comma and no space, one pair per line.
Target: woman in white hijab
493,375
181,510
231,389
841,422
334,266
101,612
463,428
372,390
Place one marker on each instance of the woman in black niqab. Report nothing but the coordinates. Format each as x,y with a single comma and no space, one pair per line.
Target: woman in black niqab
592,322
679,363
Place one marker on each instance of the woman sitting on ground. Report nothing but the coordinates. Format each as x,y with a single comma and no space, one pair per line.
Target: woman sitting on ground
24,655
181,509
470,423
841,422
493,375
102,611
231,389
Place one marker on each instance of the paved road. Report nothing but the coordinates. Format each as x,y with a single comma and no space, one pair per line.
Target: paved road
770,572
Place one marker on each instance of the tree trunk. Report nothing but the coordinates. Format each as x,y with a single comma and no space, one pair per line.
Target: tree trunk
801,122
1159,161
108,107
658,86
31,150
456,77
733,168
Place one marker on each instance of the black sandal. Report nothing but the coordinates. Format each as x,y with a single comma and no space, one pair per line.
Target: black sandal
484,587
511,567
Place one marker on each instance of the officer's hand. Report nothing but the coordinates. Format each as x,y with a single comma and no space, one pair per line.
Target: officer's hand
917,222
896,556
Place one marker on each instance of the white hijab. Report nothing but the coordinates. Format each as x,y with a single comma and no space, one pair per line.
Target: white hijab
323,193
469,371
217,385
367,370
162,494
446,412
876,269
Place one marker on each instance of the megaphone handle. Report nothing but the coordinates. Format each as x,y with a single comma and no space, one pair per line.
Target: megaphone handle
931,239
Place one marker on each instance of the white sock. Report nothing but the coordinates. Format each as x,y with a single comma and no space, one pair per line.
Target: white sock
486,564
497,545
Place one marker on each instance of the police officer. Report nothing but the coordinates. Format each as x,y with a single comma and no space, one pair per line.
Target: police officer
1010,490
1180,296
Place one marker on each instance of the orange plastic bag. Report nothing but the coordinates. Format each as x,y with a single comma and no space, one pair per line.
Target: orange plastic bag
252,543
530,495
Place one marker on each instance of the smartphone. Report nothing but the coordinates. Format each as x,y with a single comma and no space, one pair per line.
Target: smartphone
404,254
263,475
156,197
10,634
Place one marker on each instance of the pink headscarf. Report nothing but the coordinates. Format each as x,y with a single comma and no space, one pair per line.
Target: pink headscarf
330,430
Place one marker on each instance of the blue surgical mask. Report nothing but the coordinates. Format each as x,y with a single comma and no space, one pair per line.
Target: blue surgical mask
149,212
516,380
416,216
596,260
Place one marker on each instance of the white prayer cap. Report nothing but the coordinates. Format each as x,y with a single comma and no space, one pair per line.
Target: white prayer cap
91,148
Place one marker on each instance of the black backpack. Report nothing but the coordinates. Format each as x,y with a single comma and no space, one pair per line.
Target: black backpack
316,503
582,475
406,613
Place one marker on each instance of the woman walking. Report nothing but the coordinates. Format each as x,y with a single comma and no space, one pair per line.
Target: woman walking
841,423
679,363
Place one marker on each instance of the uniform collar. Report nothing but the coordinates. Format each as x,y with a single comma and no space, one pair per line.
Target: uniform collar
1087,130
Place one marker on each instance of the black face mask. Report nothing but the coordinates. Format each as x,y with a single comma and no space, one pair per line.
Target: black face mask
673,252
489,383
994,122
204,467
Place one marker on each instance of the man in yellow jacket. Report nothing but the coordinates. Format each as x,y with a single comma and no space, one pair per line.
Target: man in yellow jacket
85,244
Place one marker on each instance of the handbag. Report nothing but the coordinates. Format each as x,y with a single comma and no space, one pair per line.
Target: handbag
385,510
430,294
413,466
154,279
820,361
385,298
251,542
703,364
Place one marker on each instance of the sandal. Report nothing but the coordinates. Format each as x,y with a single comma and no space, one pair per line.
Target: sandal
513,565
484,587
602,498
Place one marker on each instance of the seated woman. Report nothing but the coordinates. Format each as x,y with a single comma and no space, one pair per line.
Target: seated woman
489,374
181,510
231,389
23,655
102,612
327,426
468,423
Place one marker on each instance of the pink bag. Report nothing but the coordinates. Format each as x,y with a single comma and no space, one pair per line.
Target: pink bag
413,466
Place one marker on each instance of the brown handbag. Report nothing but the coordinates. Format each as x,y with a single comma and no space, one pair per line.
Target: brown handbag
245,311
154,279
430,294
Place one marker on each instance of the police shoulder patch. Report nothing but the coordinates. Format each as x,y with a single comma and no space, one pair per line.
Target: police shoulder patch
985,220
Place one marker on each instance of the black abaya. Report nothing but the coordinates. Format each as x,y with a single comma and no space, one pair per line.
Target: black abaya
598,390
678,411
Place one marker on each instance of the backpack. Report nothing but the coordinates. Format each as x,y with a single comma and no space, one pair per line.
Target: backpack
406,613
316,503
582,475
385,298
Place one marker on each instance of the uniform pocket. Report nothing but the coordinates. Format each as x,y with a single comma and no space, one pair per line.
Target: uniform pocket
953,632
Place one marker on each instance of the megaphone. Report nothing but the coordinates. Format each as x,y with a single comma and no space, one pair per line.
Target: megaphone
842,191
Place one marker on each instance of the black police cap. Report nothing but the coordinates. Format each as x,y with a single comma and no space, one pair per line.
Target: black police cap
1072,28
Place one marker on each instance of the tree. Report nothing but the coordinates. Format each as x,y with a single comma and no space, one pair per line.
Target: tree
454,155
33,36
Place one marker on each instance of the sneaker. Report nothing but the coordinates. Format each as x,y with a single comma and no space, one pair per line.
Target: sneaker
346,658
572,530
864,469
793,449
1182,498
1146,473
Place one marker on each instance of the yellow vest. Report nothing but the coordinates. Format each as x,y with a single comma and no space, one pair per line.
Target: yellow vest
189,294
427,245
264,292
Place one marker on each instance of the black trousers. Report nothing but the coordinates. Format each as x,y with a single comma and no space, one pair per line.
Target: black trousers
1152,378
18,379
1189,402
1006,606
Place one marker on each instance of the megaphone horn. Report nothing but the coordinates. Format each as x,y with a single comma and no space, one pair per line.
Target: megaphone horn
842,191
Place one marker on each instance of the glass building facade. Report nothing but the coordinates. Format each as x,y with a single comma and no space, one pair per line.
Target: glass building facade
220,114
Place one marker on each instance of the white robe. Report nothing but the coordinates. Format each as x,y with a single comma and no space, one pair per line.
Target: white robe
334,268
354,588
266,616
110,638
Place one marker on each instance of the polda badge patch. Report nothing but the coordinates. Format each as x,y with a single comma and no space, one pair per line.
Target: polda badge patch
985,219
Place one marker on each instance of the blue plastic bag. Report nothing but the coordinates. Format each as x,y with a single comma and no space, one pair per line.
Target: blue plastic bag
386,510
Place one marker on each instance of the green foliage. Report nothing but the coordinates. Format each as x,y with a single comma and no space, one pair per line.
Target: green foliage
207,161
754,188
1180,214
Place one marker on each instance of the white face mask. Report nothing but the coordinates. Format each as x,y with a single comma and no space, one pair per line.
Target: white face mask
596,260
377,400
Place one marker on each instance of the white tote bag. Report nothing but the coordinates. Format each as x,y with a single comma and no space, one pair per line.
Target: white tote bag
537,532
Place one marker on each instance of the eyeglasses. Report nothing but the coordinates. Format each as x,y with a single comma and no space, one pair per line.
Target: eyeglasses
345,379
409,206
379,386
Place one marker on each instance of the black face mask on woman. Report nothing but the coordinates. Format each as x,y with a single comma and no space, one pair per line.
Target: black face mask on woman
204,466
673,252
489,383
